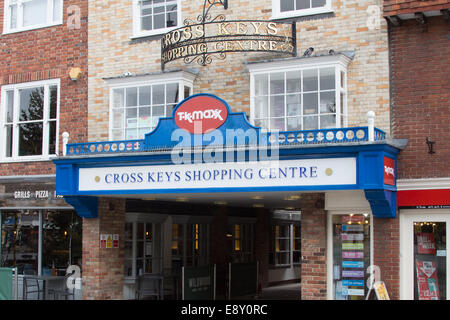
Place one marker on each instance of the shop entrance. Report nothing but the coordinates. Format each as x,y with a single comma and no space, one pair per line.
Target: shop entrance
424,262
162,235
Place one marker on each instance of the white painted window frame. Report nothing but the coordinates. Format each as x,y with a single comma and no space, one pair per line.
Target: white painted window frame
407,219
3,109
277,14
182,78
339,62
138,33
19,28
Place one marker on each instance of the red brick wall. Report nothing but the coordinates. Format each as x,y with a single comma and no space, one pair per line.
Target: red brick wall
313,247
421,96
386,253
49,53
396,7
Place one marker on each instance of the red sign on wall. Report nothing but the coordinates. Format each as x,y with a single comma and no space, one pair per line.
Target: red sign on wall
425,243
427,281
201,114
389,171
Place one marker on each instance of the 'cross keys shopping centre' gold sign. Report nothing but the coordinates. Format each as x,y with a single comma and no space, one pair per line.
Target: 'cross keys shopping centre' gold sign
200,42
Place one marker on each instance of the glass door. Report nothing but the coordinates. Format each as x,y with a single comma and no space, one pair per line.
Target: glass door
424,260
350,239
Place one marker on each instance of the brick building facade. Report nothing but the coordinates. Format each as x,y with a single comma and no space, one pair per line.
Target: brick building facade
351,59
124,55
420,102
42,44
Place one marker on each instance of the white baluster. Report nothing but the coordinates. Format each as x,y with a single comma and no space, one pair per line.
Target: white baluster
65,136
371,125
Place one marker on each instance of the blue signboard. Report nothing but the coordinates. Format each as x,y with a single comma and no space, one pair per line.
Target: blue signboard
352,264
353,283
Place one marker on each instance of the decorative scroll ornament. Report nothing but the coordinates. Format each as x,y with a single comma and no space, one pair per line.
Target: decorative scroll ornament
210,37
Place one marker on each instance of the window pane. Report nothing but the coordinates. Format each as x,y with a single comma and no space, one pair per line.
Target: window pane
310,80
30,139
62,239
9,106
310,103
318,3
56,10
118,118
53,101
310,123
117,135
263,123
131,97
31,104
131,134
158,9
143,131
158,111
430,247
282,258
187,91
327,79
172,93
294,123
328,121
19,240
169,109
144,96
302,4
34,12
9,140
52,138
293,104
158,94
293,82
277,83
261,83
171,19
131,113
118,98
327,102
261,107
158,21
286,5
146,23
277,124
13,14
277,106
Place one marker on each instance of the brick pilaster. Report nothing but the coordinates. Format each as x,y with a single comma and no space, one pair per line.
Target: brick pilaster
386,253
313,247
102,269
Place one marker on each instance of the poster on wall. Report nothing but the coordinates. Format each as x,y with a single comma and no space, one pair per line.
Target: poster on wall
352,244
381,291
427,281
426,243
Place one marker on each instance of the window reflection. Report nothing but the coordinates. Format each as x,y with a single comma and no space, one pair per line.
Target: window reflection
61,240
430,261
20,234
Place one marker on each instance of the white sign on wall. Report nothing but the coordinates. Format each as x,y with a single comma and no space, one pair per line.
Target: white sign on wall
307,172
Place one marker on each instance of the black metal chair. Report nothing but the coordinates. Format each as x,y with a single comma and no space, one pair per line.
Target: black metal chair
66,292
150,285
31,285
